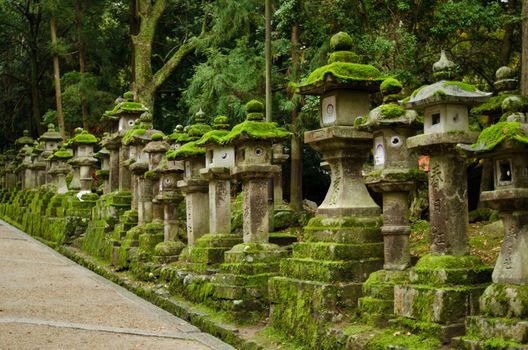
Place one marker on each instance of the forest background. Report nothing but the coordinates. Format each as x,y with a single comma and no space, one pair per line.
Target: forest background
66,61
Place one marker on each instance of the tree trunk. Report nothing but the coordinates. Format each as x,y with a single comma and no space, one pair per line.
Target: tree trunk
82,65
507,41
56,78
146,82
296,195
524,53
267,42
35,97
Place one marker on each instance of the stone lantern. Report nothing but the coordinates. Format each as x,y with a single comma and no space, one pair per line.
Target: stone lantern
193,185
219,160
448,272
104,173
504,303
253,140
122,118
136,139
59,168
394,175
52,139
343,243
155,149
83,162
10,177
25,139
24,168
39,164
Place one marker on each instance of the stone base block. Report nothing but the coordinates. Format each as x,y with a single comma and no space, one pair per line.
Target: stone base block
347,229
505,300
337,251
330,271
210,248
305,308
513,329
245,274
469,343
444,305
450,270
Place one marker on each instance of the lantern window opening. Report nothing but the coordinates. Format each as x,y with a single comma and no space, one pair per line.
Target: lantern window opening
504,168
435,118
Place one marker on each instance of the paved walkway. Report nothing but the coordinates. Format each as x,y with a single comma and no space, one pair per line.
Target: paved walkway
49,302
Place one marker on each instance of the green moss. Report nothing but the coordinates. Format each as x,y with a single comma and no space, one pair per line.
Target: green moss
390,86
415,92
102,173
492,136
254,106
213,136
344,72
61,153
84,138
499,344
461,85
493,106
440,262
152,175
158,136
343,56
393,339
189,150
198,130
341,41
130,134
253,130
392,110
255,117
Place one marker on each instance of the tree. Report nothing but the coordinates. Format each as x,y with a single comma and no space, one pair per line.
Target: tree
146,81
56,75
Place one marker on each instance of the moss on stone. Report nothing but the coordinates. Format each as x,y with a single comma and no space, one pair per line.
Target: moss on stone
84,137
254,106
461,85
390,86
157,136
212,137
130,134
343,56
341,41
439,262
493,106
344,72
198,130
492,136
254,130
392,110
189,150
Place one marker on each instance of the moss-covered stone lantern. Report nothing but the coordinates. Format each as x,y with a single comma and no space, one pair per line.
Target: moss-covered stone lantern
122,118
219,160
83,162
193,185
39,163
104,173
394,175
504,303
24,168
23,140
242,286
343,243
52,139
136,139
155,149
448,274
59,168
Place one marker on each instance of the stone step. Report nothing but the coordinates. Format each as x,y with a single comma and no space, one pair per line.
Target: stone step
330,271
208,255
369,305
218,240
337,251
249,268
